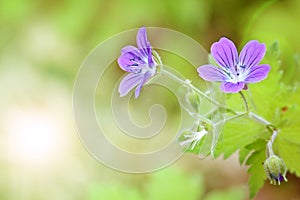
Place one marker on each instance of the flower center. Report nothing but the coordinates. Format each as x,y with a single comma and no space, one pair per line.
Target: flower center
236,75
146,68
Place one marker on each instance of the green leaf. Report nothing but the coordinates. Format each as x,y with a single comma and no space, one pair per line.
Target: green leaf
255,155
287,143
243,153
258,176
238,134
247,136
276,102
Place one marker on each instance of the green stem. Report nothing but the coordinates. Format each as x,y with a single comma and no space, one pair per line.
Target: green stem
270,127
245,101
190,85
238,115
196,116
259,119
270,151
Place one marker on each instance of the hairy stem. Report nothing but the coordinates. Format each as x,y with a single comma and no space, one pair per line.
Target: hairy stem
245,101
190,85
270,151
196,116
238,115
259,119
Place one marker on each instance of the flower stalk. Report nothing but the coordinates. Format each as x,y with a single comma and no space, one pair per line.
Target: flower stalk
274,166
245,101
189,84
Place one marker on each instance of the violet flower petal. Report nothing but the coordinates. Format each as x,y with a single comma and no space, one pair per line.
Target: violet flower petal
133,50
142,41
129,82
147,75
252,53
130,62
257,73
211,73
138,62
229,87
144,45
225,54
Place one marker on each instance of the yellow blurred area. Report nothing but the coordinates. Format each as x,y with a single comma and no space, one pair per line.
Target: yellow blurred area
42,45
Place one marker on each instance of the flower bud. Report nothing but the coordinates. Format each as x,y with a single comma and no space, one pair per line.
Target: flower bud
194,100
275,169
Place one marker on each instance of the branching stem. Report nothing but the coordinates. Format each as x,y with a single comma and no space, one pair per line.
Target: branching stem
236,115
190,85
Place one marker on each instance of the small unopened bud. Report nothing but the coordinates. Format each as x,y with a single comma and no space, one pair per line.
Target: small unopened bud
275,169
194,100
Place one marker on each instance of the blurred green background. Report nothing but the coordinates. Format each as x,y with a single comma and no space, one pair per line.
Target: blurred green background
42,45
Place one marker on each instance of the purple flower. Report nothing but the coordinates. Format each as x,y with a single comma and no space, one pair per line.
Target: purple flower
139,62
235,71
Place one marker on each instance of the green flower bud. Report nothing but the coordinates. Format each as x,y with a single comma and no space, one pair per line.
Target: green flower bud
194,100
275,169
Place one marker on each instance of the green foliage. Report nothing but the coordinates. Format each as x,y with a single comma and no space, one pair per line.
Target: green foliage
238,134
278,103
255,158
250,138
78,26
287,144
